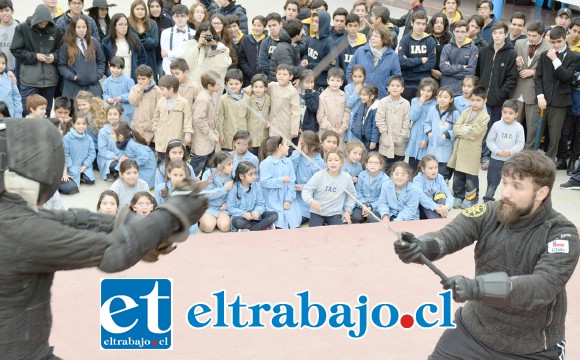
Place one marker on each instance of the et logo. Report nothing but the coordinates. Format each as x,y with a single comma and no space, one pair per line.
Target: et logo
136,314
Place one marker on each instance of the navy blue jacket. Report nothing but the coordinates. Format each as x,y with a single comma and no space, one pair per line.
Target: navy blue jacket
336,36
248,50
349,51
377,75
239,11
311,99
320,48
364,126
266,50
411,51
137,57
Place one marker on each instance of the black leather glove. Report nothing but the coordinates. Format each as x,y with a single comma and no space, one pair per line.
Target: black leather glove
186,204
463,288
409,249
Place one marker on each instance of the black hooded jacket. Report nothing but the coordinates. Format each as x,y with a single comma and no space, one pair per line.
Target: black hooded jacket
285,53
29,40
320,50
497,72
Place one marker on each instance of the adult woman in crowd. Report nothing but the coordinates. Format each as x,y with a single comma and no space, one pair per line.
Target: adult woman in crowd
378,59
202,56
100,13
197,15
146,30
438,27
81,62
451,10
163,21
123,43
219,23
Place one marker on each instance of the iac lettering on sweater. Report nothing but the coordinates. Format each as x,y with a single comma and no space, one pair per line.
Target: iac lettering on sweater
504,136
411,52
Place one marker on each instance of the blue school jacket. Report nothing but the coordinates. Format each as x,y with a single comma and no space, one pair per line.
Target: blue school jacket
404,207
417,115
364,126
216,193
461,105
429,188
276,191
368,189
351,169
79,150
304,169
145,158
160,200
160,173
121,86
438,125
241,201
107,150
353,103
248,156
10,95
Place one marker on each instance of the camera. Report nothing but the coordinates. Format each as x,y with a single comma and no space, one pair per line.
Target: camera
208,38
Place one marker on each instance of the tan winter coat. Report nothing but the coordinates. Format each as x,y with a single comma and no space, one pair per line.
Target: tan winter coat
333,114
202,59
467,148
257,119
394,126
205,129
144,103
169,124
189,91
285,110
232,117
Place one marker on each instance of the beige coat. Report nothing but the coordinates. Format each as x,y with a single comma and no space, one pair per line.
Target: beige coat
333,114
467,148
232,117
189,91
174,123
258,119
285,110
205,132
202,59
144,103
394,126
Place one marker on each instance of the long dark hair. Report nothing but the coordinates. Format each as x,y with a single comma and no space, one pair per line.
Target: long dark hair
269,145
174,164
125,130
133,21
110,193
94,14
242,169
132,39
423,163
225,37
205,26
446,35
70,38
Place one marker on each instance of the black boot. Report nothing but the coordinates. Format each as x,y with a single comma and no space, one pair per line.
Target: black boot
561,164
572,164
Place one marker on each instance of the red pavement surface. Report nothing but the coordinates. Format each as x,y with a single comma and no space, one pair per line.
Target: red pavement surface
335,263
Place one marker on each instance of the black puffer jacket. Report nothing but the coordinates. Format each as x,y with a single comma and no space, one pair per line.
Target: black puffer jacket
239,11
285,53
497,72
29,40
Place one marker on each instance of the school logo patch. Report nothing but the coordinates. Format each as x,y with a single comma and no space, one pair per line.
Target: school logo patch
475,211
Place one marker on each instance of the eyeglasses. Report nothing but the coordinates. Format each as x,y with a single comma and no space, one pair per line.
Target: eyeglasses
143,205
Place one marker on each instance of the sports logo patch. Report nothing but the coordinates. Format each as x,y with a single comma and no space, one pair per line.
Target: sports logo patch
475,210
558,246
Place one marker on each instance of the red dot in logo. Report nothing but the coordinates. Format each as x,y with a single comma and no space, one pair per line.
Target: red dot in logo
407,321
154,342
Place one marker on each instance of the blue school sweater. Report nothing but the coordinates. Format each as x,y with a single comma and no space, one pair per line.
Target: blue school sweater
276,192
417,115
429,188
216,192
107,150
10,95
305,169
121,86
241,201
411,51
439,124
319,48
145,158
79,150
248,156
368,188
405,206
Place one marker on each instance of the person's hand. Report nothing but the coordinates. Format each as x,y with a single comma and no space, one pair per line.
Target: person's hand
255,215
49,59
82,169
408,248
346,217
519,62
123,158
422,100
354,179
285,179
287,205
229,185
224,207
41,57
292,135
315,205
12,77
386,218
298,187
111,101
164,53
463,288
247,216
542,103
430,134
423,144
442,210
187,139
358,88
304,62
552,54
340,132
118,99
222,139
65,178
365,211
436,74
527,73
373,146
424,59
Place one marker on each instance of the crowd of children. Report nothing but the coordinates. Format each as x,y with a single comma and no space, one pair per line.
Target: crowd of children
302,122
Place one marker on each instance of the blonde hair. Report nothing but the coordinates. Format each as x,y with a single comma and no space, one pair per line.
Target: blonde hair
98,110
353,144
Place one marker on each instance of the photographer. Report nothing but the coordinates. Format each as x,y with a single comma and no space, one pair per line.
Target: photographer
205,52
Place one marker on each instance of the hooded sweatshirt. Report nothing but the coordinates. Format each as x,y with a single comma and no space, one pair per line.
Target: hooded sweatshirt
267,47
349,49
29,40
497,71
486,30
248,50
411,51
285,53
453,60
319,50
239,11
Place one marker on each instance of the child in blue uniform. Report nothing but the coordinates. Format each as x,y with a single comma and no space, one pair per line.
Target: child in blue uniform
176,150
368,189
220,176
399,199
242,141
80,153
278,179
306,163
436,199
246,203
109,155
420,106
354,151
